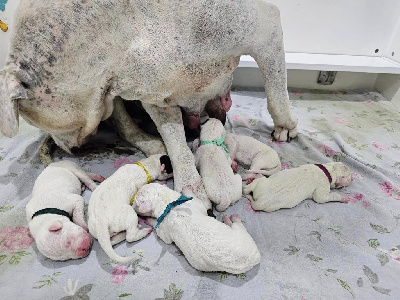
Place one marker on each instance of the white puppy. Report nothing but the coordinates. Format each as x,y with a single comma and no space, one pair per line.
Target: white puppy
223,187
56,200
262,159
207,244
111,216
289,187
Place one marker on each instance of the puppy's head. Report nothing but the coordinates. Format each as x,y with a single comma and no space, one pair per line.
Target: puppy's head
341,175
212,130
62,240
151,199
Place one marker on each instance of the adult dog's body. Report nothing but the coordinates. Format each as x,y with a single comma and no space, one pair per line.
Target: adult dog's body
58,188
69,59
289,187
207,244
111,216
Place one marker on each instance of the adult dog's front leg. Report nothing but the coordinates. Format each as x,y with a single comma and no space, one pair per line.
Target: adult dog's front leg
169,124
269,54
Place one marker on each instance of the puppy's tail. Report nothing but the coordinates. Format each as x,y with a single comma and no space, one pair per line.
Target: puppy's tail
266,172
104,239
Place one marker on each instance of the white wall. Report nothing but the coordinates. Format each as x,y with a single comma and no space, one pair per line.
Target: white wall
7,16
352,27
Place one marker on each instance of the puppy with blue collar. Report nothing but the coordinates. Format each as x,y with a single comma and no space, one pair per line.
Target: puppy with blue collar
208,245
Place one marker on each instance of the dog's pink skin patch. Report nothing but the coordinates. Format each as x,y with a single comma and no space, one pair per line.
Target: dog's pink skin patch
235,166
193,121
250,180
226,101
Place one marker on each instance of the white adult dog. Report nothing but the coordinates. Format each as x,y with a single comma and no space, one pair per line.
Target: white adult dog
289,187
207,244
259,157
111,216
223,187
56,200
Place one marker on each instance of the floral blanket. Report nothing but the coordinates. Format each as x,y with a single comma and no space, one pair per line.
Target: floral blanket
313,251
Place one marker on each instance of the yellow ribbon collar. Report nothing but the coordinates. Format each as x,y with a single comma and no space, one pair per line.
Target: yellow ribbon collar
148,181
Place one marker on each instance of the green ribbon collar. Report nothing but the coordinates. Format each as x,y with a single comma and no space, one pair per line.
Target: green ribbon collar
219,142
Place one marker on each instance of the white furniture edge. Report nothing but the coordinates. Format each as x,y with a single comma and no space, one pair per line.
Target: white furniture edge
329,62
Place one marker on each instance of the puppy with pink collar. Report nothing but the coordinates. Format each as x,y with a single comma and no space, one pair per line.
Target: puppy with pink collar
56,211
289,187
208,245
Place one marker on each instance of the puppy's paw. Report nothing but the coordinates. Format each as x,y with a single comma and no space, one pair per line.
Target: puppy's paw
226,220
235,218
284,134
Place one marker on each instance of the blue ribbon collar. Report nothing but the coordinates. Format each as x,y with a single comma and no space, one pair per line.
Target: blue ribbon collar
182,199
219,142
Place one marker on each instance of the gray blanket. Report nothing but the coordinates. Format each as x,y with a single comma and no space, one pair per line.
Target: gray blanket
313,251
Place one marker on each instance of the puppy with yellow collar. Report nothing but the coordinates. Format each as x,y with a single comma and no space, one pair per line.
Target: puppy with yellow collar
111,216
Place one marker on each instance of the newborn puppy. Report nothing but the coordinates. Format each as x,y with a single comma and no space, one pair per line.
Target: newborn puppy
55,212
289,187
207,244
262,159
111,216
223,187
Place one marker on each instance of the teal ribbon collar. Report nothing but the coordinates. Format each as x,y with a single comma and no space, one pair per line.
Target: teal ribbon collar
219,142
182,199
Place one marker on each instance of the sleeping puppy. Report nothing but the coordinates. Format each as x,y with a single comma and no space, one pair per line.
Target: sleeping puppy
111,216
207,244
289,187
262,159
223,187
55,212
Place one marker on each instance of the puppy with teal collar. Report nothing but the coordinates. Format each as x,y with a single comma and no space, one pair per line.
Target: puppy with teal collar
208,245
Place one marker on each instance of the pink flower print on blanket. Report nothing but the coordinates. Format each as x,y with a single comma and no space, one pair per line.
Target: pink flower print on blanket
276,143
238,119
285,166
329,152
341,121
390,190
353,198
118,163
14,239
119,273
378,146
395,253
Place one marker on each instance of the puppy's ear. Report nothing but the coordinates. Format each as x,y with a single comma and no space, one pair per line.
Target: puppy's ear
55,226
164,160
162,169
144,208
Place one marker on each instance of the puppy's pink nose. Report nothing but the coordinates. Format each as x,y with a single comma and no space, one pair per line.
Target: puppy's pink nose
84,247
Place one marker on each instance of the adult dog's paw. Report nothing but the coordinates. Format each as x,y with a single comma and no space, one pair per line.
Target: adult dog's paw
283,134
